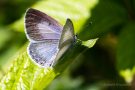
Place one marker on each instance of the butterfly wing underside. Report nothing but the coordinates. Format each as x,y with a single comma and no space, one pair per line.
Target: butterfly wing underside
67,38
39,26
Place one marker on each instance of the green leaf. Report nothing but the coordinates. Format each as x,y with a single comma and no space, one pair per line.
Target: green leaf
5,37
24,74
61,10
89,43
10,42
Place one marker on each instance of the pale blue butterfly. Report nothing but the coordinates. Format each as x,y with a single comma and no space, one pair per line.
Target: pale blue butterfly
49,40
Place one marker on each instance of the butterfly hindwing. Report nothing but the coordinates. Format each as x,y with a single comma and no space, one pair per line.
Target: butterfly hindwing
43,53
39,26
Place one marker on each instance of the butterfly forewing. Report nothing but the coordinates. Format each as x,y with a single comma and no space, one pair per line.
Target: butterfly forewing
40,26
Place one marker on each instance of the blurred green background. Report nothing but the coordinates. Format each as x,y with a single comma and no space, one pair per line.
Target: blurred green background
109,65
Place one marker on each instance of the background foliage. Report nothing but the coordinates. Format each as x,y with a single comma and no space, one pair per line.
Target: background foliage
110,64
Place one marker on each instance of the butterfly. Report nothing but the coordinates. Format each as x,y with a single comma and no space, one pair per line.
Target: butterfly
49,40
